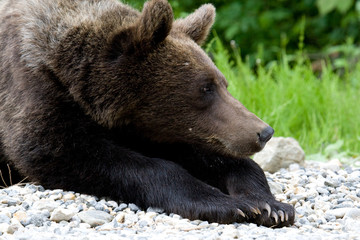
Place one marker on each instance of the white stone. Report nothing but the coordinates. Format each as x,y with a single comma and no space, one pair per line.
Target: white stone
294,167
62,214
10,201
186,227
338,213
84,225
20,215
113,204
45,204
352,213
120,217
276,188
69,196
6,212
353,198
95,217
4,227
106,227
354,176
131,219
333,165
151,214
352,225
14,226
279,153
55,197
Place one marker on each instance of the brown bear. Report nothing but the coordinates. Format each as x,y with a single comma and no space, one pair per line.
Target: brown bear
98,98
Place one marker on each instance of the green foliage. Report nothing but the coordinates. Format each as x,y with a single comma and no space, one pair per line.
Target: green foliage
277,25
263,29
326,6
318,112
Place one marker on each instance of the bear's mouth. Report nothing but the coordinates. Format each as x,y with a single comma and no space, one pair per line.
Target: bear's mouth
228,149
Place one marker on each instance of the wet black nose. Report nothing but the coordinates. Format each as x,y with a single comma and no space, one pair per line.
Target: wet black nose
265,135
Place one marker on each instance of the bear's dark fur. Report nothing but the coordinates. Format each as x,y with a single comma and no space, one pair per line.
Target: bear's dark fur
98,98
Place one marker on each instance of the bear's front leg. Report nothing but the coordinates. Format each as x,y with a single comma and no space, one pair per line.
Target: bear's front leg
99,166
240,178
246,182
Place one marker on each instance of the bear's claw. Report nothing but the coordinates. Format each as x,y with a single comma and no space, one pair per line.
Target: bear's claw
281,215
268,209
241,213
270,213
255,210
275,216
258,210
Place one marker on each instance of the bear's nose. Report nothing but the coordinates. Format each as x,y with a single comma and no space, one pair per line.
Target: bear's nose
265,135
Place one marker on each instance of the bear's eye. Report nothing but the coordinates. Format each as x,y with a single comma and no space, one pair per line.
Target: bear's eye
208,88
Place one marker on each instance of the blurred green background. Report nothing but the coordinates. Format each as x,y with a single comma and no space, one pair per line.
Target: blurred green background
265,28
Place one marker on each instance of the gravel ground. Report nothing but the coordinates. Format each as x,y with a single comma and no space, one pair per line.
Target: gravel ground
326,198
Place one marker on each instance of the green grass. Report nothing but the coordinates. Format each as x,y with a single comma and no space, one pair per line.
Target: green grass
317,111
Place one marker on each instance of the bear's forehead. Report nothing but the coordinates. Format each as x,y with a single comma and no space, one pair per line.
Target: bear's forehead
184,55
190,54
188,51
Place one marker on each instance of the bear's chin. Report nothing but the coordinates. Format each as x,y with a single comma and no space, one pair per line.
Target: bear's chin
226,149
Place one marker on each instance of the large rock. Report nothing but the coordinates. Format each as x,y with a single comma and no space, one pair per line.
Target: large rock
279,153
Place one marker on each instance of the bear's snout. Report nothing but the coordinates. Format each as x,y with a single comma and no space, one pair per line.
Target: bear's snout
265,135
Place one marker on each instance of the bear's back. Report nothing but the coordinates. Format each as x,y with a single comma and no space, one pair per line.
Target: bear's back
41,24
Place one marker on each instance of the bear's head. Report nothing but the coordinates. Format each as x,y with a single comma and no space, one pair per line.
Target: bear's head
181,96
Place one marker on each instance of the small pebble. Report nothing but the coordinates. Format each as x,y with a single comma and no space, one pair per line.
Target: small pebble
121,207
353,213
61,214
133,207
95,217
4,218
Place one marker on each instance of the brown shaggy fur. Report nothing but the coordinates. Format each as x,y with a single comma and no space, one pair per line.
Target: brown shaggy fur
97,97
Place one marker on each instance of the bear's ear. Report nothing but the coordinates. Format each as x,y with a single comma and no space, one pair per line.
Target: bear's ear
154,24
197,25
151,28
